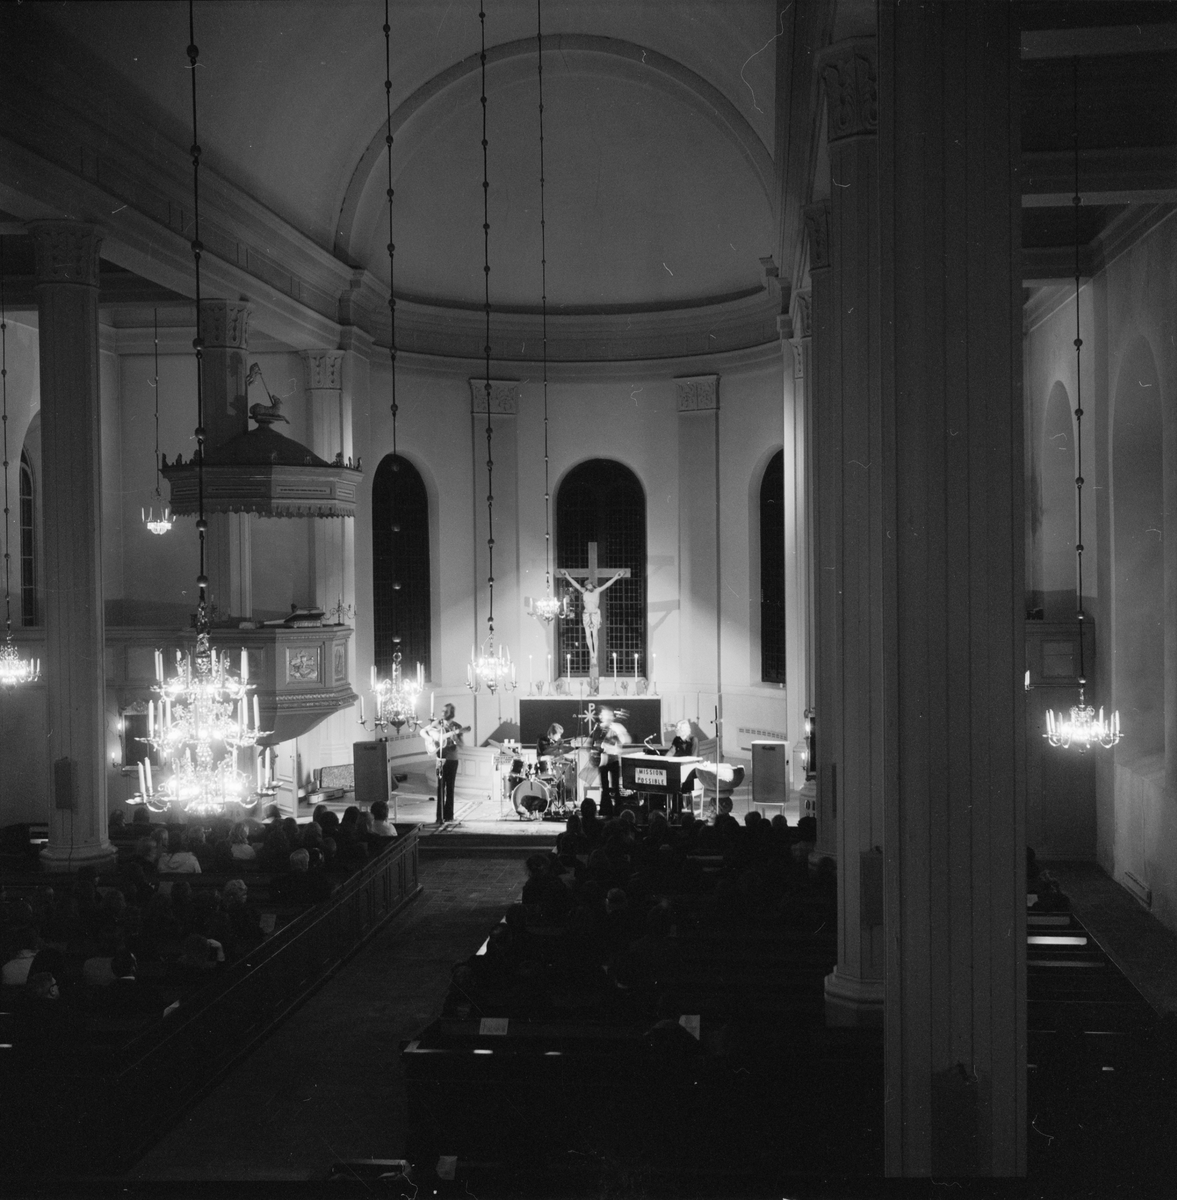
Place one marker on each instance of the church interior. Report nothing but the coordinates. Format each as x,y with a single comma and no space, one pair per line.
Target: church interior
798,378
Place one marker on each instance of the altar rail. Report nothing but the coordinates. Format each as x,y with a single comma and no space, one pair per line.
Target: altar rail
105,1107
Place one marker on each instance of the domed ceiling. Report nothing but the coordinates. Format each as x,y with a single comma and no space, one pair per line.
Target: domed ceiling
657,121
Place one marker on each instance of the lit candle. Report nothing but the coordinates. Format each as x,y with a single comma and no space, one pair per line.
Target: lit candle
244,665
614,664
159,666
361,710
150,720
431,705
373,677
150,784
142,781
568,665
549,668
259,772
420,675
469,675
256,720
635,665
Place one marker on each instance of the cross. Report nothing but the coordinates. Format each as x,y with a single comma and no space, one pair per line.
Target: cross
594,577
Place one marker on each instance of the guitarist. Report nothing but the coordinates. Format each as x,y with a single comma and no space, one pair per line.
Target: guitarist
605,744
445,736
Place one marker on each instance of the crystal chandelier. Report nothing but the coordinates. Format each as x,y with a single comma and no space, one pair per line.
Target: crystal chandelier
201,708
163,522
14,670
547,608
491,668
1083,727
397,696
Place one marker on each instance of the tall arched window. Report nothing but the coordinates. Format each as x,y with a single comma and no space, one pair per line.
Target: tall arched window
28,544
601,507
400,565
772,570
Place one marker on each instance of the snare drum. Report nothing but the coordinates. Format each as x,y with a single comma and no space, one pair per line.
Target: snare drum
531,796
546,768
518,771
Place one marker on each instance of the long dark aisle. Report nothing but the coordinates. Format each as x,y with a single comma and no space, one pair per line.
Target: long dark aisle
327,1085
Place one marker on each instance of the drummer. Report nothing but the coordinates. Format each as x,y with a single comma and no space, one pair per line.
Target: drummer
548,747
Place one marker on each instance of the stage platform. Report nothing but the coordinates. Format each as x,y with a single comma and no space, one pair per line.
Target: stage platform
485,816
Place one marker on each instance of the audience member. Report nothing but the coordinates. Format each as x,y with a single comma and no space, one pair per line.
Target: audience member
177,860
382,827
239,848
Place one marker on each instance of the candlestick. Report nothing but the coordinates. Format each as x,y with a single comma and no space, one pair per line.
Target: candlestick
257,724
258,764
373,677
150,784
151,719
361,710
635,665
244,665
614,664
549,668
431,694
142,781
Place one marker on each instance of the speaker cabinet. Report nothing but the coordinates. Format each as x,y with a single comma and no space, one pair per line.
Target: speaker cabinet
373,771
770,772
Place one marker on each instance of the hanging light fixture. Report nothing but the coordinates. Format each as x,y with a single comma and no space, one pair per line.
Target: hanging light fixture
201,722
396,697
1082,727
547,608
14,670
491,668
163,522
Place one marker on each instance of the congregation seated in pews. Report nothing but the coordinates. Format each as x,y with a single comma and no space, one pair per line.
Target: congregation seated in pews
90,956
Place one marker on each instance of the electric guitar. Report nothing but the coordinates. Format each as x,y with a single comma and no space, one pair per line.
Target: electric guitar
437,738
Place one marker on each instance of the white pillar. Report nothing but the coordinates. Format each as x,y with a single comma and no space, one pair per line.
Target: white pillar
75,630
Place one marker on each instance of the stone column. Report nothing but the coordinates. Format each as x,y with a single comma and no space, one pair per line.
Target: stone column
851,490
75,630
822,459
951,414
798,529
224,328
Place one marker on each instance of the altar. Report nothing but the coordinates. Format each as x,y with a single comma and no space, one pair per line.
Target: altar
577,715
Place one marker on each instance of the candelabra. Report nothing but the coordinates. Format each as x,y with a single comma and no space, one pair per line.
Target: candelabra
491,669
396,698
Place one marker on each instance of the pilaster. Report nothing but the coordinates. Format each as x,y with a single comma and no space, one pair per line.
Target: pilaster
323,373
224,332
66,282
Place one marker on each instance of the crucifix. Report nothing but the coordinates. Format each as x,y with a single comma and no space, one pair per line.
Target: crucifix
591,592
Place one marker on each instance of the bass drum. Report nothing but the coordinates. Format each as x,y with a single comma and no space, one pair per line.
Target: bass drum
531,796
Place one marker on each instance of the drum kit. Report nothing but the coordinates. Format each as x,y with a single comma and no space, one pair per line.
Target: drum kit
542,789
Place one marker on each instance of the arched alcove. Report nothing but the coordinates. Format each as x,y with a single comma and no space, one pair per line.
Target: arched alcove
400,565
1138,556
1056,530
601,503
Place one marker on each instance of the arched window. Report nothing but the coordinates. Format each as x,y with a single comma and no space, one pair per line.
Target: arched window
601,516
28,544
772,570
400,565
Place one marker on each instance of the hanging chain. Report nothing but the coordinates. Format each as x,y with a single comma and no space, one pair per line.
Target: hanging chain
391,244
543,268
197,342
155,328
490,540
4,422
1076,201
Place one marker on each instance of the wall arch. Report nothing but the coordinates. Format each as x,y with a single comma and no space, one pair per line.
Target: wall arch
1138,555
401,566
602,500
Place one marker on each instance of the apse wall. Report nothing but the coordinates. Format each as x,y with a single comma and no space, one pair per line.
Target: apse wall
1130,520
697,470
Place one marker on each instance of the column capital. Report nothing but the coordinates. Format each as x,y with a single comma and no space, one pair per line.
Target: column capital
850,73
65,252
698,393
504,396
324,369
817,226
225,323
